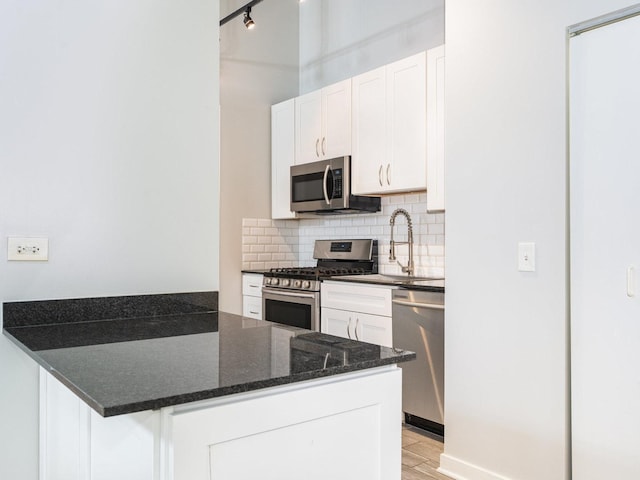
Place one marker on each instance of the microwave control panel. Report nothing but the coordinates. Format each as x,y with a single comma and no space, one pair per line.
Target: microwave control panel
337,183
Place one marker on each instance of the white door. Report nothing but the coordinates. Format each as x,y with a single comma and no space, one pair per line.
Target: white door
605,251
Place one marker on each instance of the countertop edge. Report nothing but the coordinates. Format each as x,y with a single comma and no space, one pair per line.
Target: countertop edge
175,400
50,369
407,286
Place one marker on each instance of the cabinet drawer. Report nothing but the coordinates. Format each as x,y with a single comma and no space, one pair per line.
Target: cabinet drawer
354,297
252,284
252,307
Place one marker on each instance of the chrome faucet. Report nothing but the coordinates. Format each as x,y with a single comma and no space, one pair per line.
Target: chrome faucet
392,250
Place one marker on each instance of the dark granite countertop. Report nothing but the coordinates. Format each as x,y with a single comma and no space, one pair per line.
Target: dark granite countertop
415,283
181,350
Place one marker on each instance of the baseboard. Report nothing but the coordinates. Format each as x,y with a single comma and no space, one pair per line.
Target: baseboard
460,470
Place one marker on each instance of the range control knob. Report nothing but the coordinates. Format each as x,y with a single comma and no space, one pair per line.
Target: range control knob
285,282
297,283
275,281
306,284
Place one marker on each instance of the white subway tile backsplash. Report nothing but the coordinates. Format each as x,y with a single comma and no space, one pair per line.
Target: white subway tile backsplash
288,243
436,229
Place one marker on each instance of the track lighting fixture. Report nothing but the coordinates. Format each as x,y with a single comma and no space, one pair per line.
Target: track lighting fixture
246,9
248,21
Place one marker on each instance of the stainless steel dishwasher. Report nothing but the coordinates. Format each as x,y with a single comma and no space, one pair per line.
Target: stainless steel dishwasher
418,325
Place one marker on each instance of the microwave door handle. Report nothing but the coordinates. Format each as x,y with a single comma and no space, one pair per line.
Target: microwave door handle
324,185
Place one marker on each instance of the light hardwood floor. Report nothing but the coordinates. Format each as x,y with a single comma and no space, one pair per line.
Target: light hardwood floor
420,455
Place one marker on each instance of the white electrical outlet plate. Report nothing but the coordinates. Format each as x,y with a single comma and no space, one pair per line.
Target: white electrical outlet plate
28,249
526,257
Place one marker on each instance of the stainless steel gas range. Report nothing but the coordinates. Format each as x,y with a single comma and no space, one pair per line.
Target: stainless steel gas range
291,296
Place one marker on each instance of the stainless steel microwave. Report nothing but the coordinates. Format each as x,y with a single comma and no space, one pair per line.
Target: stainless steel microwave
324,187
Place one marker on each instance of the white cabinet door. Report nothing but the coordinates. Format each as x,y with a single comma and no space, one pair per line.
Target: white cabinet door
406,124
325,429
389,128
605,252
337,322
369,132
435,129
283,154
374,329
336,120
78,444
359,326
308,127
323,123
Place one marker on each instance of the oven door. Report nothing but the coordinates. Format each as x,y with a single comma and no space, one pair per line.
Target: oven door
294,308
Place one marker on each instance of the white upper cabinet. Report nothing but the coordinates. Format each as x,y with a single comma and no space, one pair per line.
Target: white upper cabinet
389,128
435,129
282,158
369,131
323,123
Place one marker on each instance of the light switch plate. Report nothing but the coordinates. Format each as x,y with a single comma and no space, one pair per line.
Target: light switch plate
526,257
28,249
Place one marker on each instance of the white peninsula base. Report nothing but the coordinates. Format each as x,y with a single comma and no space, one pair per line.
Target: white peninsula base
346,426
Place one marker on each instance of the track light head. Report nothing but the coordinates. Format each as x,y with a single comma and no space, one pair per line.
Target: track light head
248,21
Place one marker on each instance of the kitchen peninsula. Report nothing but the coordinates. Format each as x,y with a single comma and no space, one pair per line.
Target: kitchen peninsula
167,387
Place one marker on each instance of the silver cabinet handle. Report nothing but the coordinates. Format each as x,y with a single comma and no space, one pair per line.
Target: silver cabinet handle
324,143
380,175
388,177
355,330
348,325
317,142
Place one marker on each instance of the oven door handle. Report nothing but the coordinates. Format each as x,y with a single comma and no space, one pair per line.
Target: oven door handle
288,294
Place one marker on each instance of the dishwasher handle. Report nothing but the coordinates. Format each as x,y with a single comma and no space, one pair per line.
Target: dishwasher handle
433,306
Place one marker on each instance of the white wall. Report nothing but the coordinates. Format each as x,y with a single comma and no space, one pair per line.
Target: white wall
258,68
506,144
108,146
340,39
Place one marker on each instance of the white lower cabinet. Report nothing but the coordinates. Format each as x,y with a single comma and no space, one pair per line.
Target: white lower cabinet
357,311
357,326
78,444
252,295
334,427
